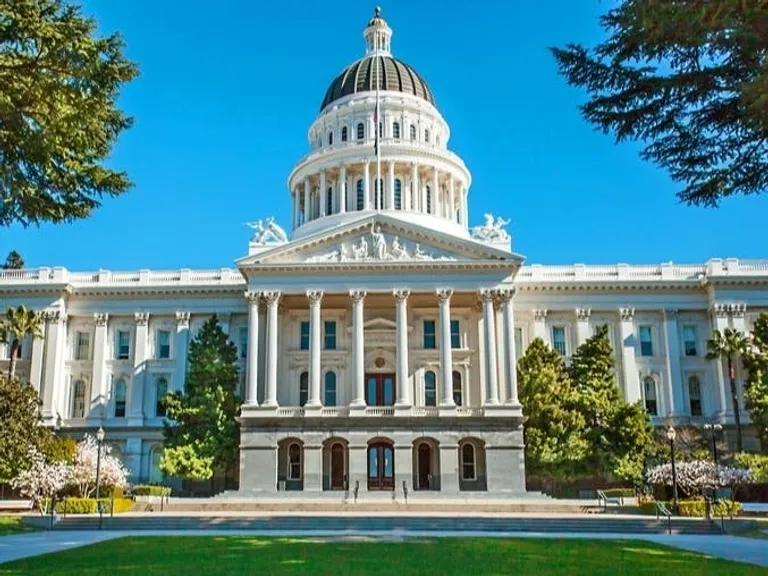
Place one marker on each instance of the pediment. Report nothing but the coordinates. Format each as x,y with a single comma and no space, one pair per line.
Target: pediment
379,240
379,324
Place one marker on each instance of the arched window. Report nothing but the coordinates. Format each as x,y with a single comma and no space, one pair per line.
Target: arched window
303,388
329,201
457,396
120,396
413,133
360,131
161,388
430,389
398,194
330,389
426,135
468,461
78,399
344,134
294,462
330,138
429,200
649,386
155,474
396,130
360,195
694,395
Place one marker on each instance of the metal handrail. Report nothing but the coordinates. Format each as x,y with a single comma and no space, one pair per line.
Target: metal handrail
662,510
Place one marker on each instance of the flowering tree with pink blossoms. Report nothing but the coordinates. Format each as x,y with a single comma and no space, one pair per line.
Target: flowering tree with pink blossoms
42,479
82,473
698,475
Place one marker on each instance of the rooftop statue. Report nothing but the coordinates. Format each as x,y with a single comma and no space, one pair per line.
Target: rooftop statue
492,229
267,232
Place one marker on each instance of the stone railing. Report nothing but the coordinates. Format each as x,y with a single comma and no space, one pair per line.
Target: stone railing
380,411
183,277
465,411
425,411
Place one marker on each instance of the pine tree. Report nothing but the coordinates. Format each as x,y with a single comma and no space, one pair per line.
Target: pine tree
553,443
14,261
755,361
201,434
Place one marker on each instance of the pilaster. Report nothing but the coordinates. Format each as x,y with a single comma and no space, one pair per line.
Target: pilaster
540,324
628,358
182,343
673,369
582,325
141,353
99,385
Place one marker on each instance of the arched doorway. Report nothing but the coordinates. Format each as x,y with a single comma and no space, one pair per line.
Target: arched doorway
338,466
424,466
381,465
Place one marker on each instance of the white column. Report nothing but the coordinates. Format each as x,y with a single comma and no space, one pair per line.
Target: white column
540,324
270,387
323,192
391,187
628,360
366,185
252,369
140,356
180,350
99,385
358,348
465,205
737,312
55,334
415,185
314,297
342,189
489,320
446,354
510,356
451,199
423,187
295,208
720,322
436,193
306,200
403,389
674,372
36,363
582,325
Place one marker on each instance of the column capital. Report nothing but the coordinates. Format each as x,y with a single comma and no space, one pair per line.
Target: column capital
506,294
141,318
314,296
737,310
540,314
401,295
271,297
626,314
719,310
100,319
252,296
486,295
583,314
444,294
670,313
182,319
357,295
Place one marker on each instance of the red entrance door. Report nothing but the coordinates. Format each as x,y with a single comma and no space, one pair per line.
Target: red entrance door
337,467
424,457
381,466
380,389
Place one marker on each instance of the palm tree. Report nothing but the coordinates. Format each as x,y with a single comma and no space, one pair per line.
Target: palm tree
729,345
18,323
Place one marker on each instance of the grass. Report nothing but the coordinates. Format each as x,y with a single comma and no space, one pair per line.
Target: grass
359,556
13,525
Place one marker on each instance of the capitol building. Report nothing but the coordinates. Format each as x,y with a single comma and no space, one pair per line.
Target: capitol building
378,330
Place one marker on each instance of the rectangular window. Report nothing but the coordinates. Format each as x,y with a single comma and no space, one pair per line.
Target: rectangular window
689,340
163,344
455,334
330,335
83,346
242,339
646,341
123,350
304,336
430,339
519,341
558,339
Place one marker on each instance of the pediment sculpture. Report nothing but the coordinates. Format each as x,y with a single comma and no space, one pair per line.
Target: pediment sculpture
267,232
492,230
378,249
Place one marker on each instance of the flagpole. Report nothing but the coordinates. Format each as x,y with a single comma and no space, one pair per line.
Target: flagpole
377,192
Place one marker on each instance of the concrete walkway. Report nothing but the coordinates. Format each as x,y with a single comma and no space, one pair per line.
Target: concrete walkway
749,550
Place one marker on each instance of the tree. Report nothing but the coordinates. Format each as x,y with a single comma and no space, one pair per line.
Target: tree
688,79
698,475
755,359
82,472
729,345
41,479
201,434
553,442
14,261
18,323
21,427
58,113
619,435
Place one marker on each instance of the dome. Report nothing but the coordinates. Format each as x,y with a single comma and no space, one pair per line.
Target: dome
394,76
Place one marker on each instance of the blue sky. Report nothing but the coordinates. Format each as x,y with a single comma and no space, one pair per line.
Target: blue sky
229,88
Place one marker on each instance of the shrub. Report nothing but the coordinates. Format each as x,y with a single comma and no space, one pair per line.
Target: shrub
88,505
619,492
151,490
696,508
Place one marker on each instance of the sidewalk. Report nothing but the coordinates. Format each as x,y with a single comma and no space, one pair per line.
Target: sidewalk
733,548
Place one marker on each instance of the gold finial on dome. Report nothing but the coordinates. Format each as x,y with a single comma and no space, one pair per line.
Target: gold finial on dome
377,34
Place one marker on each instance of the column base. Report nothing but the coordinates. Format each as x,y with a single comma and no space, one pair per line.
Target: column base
448,410
503,410
312,409
357,410
402,410
254,410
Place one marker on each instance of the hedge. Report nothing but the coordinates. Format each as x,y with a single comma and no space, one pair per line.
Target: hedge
151,490
619,492
696,508
88,505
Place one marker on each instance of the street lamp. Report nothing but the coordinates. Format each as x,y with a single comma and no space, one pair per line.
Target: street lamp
99,439
713,429
671,435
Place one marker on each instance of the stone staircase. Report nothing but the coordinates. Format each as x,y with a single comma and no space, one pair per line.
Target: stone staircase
319,524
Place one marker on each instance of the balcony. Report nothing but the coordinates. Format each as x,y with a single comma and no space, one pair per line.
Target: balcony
378,412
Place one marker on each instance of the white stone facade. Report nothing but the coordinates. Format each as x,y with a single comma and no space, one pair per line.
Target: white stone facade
377,345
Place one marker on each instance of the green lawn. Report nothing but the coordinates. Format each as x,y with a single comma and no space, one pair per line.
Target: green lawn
13,525
315,556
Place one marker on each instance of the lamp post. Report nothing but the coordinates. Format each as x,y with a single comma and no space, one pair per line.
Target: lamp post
713,429
99,439
671,435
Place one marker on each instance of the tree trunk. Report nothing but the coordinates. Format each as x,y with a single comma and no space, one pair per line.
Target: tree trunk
12,363
735,401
